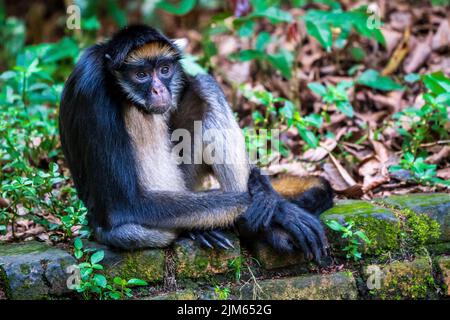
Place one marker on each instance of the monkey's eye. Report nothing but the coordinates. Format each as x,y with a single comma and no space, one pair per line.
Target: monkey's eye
141,75
165,70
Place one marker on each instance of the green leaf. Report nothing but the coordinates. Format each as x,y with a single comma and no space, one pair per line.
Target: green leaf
308,136
345,107
412,77
190,65
317,88
275,15
97,256
183,7
437,82
137,282
283,61
247,55
314,120
262,41
322,32
100,280
78,244
372,78
246,29
334,225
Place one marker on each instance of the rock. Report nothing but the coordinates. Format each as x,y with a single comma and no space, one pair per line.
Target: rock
146,264
400,280
192,261
435,205
337,286
33,270
379,224
176,295
443,263
270,259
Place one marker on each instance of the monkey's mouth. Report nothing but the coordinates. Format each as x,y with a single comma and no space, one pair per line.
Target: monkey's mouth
155,109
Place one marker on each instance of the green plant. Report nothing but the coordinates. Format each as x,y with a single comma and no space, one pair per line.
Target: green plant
420,125
323,25
93,284
354,238
236,266
222,293
278,111
31,180
334,95
421,171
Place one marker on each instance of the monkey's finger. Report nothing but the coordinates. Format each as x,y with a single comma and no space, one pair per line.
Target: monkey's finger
191,235
204,242
315,225
221,237
298,235
216,242
312,240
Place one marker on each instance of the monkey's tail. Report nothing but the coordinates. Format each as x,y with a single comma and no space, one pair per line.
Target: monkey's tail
312,193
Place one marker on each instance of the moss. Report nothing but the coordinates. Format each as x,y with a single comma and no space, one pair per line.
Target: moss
417,229
195,262
23,248
335,286
434,205
147,265
25,269
379,224
405,280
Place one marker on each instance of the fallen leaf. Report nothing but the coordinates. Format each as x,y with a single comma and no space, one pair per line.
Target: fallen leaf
436,158
418,55
399,54
344,174
441,38
320,152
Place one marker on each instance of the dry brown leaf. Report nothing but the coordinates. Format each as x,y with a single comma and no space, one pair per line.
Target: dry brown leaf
441,38
418,55
399,54
392,38
443,173
320,152
294,168
344,174
443,154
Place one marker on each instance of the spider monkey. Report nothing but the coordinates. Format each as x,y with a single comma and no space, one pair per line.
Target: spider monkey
118,109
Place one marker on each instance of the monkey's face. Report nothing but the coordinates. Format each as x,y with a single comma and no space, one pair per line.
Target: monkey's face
151,78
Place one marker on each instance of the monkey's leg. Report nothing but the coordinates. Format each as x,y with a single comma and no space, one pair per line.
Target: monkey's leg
135,236
311,193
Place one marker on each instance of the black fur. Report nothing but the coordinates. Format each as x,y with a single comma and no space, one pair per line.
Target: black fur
99,154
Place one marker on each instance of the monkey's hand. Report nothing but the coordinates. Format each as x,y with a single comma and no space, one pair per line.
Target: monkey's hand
211,239
285,225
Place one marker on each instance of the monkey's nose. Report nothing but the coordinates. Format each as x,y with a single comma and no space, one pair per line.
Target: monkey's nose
155,91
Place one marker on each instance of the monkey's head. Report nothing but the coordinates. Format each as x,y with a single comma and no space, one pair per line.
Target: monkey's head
147,68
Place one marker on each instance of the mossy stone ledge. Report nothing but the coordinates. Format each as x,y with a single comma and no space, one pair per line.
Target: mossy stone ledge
401,280
443,263
145,264
435,205
34,270
192,261
380,225
337,286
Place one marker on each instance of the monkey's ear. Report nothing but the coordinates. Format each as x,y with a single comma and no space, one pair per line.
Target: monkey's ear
181,43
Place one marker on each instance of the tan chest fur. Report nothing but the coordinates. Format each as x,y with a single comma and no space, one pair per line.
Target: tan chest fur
157,169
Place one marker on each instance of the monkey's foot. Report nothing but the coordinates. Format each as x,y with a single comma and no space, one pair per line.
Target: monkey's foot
287,226
211,239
